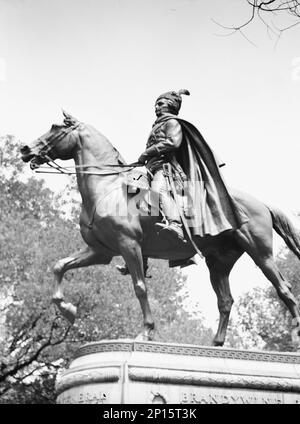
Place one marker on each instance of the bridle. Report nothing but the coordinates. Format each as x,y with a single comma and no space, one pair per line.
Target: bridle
54,168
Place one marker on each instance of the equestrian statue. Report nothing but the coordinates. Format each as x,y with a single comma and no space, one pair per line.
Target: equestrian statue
179,208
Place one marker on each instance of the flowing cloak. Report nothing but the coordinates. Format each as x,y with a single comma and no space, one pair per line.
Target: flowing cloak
214,209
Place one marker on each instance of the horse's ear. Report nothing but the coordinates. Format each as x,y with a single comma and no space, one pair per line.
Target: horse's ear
66,115
69,119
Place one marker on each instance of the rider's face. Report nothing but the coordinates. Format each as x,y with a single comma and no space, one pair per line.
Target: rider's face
162,106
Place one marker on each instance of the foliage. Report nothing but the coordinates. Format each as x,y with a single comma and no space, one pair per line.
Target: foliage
35,341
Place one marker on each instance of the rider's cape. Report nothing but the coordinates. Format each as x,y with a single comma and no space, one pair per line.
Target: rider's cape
214,210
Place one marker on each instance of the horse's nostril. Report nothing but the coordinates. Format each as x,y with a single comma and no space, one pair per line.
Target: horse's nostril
26,153
24,149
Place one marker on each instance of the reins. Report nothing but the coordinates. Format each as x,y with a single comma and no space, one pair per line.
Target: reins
57,169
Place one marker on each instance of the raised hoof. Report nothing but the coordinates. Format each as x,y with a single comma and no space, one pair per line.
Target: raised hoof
67,310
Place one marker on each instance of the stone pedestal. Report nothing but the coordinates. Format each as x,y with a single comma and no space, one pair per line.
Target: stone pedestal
130,372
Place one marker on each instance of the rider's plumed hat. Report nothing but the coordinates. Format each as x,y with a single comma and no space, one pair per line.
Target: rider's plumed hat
174,99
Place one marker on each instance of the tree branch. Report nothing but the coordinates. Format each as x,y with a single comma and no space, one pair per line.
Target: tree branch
260,9
11,370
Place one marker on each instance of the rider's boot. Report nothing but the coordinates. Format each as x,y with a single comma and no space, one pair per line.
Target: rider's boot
173,227
182,262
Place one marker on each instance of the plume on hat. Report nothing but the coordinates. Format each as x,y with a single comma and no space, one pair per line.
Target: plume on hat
183,91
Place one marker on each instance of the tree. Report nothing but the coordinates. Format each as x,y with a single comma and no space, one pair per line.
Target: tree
27,218
36,341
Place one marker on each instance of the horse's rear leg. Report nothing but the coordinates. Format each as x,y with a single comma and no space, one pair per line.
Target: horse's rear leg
219,276
83,258
283,287
132,254
259,246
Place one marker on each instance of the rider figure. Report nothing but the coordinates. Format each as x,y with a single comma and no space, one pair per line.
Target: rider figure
165,138
176,150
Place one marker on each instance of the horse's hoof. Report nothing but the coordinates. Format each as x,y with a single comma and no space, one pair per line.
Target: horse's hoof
57,300
218,343
145,336
296,336
141,337
69,312
151,334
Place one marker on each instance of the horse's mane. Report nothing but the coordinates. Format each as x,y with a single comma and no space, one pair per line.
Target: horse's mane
71,121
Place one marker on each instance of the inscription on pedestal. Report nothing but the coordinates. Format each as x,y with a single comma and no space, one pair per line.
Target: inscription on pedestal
84,397
206,396
203,398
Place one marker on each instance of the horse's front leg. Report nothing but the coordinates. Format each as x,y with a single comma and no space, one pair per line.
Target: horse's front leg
132,254
83,258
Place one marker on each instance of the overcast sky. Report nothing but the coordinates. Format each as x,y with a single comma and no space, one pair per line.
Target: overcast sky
106,61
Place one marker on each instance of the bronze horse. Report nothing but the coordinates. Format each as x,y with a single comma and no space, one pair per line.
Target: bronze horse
101,172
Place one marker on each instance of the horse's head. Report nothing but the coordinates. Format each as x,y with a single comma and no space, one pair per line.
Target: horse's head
58,143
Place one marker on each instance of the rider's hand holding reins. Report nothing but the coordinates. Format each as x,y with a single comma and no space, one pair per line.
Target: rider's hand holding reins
142,159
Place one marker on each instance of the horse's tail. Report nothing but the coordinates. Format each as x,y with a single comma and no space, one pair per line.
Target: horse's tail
284,227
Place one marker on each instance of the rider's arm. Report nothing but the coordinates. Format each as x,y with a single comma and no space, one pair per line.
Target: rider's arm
170,140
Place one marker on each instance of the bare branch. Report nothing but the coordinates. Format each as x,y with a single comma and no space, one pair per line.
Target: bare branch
26,358
269,28
24,331
260,10
246,38
237,28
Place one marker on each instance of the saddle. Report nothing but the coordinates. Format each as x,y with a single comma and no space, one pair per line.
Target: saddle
138,186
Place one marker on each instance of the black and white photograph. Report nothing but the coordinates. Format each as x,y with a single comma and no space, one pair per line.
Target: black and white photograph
149,205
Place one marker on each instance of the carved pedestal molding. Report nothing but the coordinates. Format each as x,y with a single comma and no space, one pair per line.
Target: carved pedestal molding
125,371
